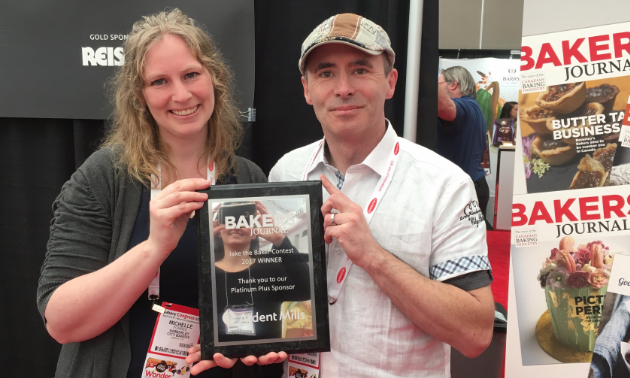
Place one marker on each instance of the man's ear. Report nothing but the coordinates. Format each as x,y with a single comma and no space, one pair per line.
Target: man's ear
391,81
452,86
306,94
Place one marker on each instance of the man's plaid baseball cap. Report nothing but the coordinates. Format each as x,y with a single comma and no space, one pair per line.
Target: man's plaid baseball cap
349,29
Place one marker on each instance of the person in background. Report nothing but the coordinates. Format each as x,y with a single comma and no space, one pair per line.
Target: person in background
126,212
510,110
462,128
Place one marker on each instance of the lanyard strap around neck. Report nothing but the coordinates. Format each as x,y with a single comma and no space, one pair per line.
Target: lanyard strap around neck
156,187
368,212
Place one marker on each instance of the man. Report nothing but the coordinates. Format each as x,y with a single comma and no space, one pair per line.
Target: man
462,128
416,276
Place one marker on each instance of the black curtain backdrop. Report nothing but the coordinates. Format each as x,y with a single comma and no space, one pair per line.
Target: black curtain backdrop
38,155
426,127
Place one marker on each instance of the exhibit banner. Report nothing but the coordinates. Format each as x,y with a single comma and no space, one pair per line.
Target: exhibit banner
57,57
575,89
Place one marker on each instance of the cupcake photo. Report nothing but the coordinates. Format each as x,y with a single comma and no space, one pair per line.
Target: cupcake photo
575,278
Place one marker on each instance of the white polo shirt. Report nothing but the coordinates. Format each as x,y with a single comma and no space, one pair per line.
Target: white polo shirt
429,219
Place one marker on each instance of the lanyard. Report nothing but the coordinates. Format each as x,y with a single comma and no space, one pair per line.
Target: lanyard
156,187
368,211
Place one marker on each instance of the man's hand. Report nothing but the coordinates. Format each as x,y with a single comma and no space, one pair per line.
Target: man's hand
350,227
194,356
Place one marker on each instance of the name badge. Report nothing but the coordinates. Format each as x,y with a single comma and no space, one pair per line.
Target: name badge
176,330
304,365
239,321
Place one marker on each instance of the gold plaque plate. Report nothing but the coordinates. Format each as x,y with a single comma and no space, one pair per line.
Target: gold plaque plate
553,347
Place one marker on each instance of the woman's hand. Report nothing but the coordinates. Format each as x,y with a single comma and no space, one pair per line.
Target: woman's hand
194,356
170,210
274,237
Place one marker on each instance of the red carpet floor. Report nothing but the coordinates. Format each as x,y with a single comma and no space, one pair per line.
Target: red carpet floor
499,255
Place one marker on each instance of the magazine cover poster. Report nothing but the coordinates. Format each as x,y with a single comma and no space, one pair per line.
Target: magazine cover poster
563,245
575,87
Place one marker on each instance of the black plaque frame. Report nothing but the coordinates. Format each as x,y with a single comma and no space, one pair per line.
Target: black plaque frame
205,270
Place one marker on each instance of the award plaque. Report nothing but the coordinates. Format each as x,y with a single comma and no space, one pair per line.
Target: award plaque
262,271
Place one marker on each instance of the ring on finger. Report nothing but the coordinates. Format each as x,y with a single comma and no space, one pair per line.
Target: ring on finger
332,219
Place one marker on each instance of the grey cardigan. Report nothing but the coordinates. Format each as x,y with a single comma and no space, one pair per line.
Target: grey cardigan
94,216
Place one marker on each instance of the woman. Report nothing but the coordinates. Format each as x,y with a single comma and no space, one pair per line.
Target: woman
236,294
510,110
175,130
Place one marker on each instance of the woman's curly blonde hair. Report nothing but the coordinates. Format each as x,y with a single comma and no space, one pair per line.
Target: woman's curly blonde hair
133,126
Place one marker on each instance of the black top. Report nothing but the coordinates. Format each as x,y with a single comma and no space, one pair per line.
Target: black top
178,284
292,269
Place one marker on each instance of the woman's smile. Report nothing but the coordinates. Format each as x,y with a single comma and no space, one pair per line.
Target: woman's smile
185,112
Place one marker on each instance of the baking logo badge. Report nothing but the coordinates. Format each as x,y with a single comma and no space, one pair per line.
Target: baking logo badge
472,213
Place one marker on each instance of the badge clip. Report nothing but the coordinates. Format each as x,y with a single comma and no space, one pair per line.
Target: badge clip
157,308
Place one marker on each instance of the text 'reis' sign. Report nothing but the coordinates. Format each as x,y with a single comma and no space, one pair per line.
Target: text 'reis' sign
104,55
